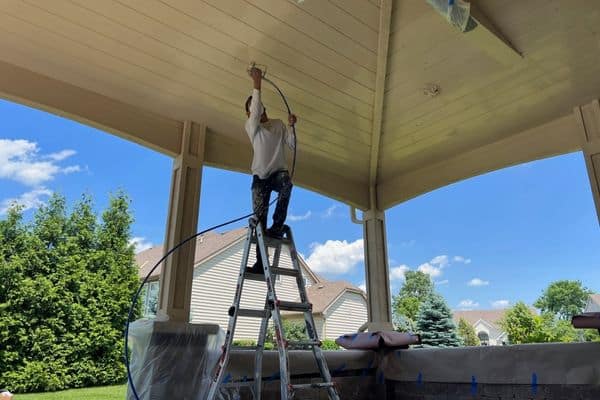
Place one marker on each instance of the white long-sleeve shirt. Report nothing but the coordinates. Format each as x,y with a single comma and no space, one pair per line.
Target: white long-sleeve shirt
268,140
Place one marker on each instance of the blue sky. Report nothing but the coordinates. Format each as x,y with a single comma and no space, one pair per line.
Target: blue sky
488,241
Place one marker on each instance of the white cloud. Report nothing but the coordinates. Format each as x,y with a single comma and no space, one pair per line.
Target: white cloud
478,282
363,286
440,261
70,169
329,212
430,270
462,259
294,218
397,273
140,244
467,304
335,256
500,304
20,161
61,155
444,282
28,200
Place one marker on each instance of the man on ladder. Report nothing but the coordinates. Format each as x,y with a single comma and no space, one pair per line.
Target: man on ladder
270,174
269,167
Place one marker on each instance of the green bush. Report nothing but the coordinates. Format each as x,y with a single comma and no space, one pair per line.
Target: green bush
66,282
330,344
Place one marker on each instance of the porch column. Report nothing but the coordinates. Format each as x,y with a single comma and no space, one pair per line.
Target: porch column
588,118
182,222
377,271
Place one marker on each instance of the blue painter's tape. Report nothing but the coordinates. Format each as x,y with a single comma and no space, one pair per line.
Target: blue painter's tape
339,369
227,378
534,384
365,371
473,385
420,379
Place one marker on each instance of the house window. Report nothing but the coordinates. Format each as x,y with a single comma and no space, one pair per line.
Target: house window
484,338
150,299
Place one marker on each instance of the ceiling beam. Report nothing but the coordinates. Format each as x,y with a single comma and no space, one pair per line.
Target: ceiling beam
557,137
57,97
490,39
385,17
311,171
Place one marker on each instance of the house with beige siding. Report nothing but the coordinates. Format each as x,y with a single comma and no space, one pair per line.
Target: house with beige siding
593,303
486,324
338,307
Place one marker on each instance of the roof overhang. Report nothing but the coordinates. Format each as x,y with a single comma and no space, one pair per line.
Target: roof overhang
393,101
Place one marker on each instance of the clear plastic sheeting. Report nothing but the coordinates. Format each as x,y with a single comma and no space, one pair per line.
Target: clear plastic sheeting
173,360
457,12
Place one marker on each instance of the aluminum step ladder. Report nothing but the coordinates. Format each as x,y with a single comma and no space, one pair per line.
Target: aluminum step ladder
272,309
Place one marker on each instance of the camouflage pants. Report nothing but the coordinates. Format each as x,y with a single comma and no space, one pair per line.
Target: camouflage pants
261,195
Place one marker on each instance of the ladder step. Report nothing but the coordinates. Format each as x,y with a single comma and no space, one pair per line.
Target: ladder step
254,277
272,242
245,312
319,385
303,344
293,306
285,271
253,348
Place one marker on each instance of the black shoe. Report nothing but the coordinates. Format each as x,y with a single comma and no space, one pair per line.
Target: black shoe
275,233
257,268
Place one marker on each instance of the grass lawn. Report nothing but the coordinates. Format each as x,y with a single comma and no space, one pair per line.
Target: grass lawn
97,393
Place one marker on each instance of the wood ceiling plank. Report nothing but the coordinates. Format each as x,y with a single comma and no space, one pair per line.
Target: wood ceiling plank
500,123
227,15
198,68
471,97
50,44
200,19
329,14
364,11
215,52
275,16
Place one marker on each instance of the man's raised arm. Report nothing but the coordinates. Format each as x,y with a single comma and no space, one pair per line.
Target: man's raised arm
256,108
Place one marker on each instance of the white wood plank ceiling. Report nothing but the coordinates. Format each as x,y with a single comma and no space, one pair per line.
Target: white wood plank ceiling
354,71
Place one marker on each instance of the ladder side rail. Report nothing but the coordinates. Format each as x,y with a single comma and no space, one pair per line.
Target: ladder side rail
224,359
277,322
260,348
309,319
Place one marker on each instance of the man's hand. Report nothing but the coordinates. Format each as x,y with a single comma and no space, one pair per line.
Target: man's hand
256,75
292,119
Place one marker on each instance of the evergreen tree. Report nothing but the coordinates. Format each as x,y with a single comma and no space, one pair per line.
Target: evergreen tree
435,325
467,333
65,288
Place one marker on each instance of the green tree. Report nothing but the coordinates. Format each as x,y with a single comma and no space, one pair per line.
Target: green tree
522,325
434,323
294,331
65,289
564,298
467,333
415,291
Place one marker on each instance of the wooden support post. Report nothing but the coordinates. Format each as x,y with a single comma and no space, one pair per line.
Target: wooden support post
377,272
182,221
588,118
